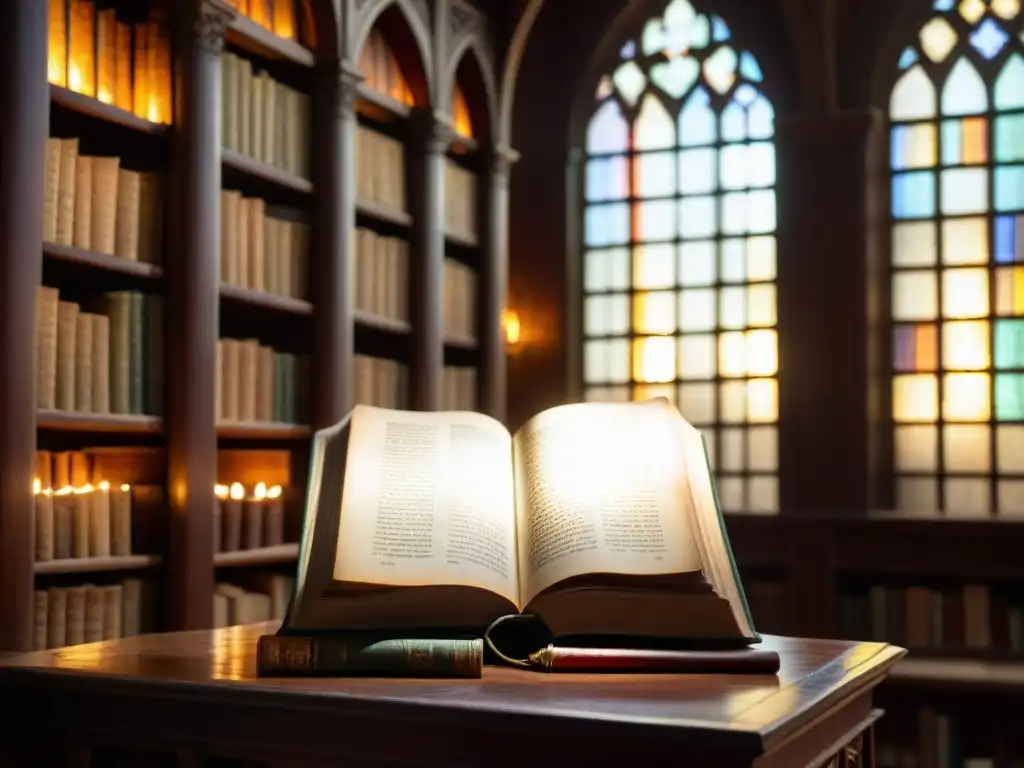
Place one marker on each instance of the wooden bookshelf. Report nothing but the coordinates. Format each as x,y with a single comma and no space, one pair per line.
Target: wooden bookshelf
284,553
309,313
98,564
108,113
101,262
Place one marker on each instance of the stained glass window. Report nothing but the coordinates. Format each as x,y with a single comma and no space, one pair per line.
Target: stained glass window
679,243
957,158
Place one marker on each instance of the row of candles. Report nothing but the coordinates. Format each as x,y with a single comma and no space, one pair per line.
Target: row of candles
247,520
87,521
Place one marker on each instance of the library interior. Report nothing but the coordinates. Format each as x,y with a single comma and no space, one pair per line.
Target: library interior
226,223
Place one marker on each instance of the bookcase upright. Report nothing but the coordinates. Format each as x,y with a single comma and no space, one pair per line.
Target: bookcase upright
235,216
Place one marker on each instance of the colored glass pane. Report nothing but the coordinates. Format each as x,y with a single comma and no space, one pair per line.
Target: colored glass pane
606,270
720,69
915,296
1009,137
749,67
1009,188
989,38
606,315
907,58
965,293
965,346
965,241
1009,291
964,190
913,195
1009,239
676,76
913,146
630,81
654,266
654,359
607,131
697,357
654,220
607,178
914,244
1009,393
965,397
937,39
606,224
964,92
913,97
654,174
697,263
697,120
1006,9
1009,88
653,128
972,10
1009,344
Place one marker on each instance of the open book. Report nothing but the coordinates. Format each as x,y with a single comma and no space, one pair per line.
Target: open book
601,519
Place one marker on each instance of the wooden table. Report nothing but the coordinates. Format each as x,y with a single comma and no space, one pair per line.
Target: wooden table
191,700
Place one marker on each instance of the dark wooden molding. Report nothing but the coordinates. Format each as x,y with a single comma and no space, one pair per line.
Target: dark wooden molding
366,319
265,173
73,421
24,125
101,262
98,564
267,301
250,36
262,430
377,212
282,553
85,105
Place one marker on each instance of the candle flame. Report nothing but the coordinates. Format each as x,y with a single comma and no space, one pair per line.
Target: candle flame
220,491
274,492
260,491
74,77
512,327
37,486
104,485
84,489
67,490
236,491
105,96
125,487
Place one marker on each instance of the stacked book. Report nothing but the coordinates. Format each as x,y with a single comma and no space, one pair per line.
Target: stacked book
106,360
264,119
254,383
233,605
380,274
94,204
459,300
460,202
381,382
380,170
380,68
261,252
88,613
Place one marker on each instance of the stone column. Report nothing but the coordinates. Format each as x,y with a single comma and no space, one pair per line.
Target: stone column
334,190
430,140
193,273
24,126
831,295
493,281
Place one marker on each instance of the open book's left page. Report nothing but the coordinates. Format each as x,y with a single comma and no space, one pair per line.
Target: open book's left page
428,500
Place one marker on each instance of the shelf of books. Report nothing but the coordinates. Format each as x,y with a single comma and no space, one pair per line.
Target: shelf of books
98,487
263,369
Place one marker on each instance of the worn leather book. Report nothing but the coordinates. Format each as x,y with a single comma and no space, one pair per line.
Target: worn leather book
599,518
286,656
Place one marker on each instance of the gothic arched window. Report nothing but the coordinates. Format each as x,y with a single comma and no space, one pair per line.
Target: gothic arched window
957,254
679,257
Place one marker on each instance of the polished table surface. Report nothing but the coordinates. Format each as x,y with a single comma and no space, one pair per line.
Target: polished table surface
182,684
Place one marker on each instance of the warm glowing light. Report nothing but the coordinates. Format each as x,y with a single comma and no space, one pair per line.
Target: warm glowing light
260,491
37,486
236,492
105,96
220,491
274,492
510,321
84,489
67,490
104,486
125,487
75,78
460,114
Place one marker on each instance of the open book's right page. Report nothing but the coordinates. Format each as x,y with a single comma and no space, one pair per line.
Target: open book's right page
599,489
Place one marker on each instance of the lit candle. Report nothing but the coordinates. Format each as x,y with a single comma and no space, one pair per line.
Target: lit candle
252,519
231,520
99,520
63,503
121,520
220,495
80,518
273,517
44,521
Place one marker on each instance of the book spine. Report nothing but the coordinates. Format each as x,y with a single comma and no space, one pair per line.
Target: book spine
284,656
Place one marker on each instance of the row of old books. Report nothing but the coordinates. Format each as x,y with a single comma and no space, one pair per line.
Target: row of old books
261,252
380,68
460,194
380,274
106,360
91,202
89,613
234,605
969,616
255,383
117,62
380,170
246,522
82,521
459,310
264,119
937,740
381,382
458,392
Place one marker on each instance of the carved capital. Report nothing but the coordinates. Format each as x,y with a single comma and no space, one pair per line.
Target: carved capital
205,23
346,90
501,159
434,131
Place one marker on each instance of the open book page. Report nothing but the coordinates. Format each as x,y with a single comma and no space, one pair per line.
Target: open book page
428,500
599,489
